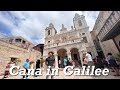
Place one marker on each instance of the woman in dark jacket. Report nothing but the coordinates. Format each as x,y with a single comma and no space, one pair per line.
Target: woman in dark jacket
113,64
37,65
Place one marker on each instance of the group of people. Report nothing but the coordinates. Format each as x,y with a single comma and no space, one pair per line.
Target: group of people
50,63
30,65
66,62
98,62
26,65
8,66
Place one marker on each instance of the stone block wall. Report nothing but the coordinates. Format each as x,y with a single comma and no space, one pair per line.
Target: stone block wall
7,50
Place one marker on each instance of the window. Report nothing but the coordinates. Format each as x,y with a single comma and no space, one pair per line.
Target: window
85,40
23,42
48,41
18,40
83,33
48,32
80,23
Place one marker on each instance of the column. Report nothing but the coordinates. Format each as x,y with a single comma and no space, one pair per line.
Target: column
56,60
81,56
69,55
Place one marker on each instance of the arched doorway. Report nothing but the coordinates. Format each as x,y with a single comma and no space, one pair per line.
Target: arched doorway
62,53
75,56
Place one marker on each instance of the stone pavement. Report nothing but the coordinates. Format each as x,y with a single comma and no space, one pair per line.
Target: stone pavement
62,76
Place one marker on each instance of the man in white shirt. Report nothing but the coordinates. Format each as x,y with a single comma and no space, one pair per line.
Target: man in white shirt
89,59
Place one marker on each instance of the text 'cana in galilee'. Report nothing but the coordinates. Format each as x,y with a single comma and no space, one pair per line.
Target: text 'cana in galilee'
68,70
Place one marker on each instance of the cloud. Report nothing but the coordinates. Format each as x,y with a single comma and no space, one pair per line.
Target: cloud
31,24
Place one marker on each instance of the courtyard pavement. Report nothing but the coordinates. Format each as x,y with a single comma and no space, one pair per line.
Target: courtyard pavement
62,76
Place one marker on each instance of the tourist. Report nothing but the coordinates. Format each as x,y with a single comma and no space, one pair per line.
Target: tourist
65,61
50,63
99,62
26,66
89,59
68,62
60,63
113,64
37,66
6,73
85,62
73,63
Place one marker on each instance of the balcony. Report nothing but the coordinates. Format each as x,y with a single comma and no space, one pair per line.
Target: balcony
111,27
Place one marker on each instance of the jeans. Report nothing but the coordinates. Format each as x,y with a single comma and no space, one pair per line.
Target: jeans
90,63
51,67
25,76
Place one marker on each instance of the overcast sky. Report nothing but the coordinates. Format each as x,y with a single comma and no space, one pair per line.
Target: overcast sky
31,24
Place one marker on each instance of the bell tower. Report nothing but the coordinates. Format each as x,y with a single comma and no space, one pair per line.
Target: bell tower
79,21
50,31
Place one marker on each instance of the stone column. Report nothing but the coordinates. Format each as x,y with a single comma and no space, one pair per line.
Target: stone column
56,60
69,55
81,56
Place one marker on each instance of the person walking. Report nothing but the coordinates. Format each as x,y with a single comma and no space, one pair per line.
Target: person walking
37,66
99,62
89,60
26,66
8,66
113,64
50,63
65,61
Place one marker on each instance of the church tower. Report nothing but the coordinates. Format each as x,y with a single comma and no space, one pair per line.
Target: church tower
63,30
50,31
79,21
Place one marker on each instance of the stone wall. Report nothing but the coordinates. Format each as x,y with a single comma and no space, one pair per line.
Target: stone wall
117,40
109,47
7,50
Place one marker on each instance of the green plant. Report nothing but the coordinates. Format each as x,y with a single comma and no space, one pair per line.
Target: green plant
18,60
118,57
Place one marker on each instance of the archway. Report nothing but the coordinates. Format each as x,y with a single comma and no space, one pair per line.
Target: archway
62,53
75,56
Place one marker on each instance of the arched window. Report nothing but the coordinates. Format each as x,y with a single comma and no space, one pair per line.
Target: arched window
80,23
48,32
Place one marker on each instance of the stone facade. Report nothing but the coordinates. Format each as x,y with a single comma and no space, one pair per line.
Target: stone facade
72,43
103,23
7,50
18,41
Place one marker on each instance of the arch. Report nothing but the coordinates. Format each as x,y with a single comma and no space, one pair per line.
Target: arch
62,53
48,32
75,55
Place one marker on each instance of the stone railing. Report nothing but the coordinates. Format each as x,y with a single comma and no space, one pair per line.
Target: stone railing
109,24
